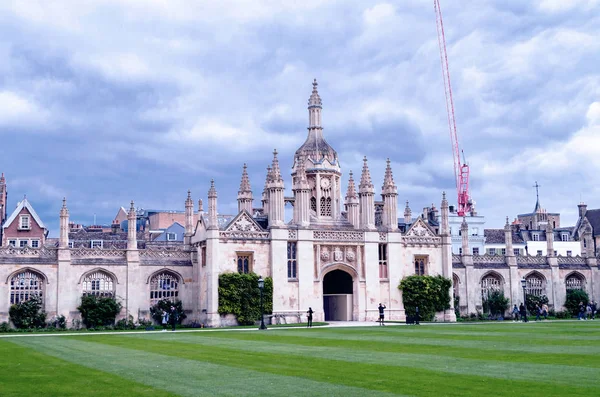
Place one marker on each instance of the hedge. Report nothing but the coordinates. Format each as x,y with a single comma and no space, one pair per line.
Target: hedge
430,293
239,295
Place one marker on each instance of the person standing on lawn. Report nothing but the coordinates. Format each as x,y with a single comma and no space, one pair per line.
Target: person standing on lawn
173,317
515,313
381,314
310,316
165,319
523,312
545,311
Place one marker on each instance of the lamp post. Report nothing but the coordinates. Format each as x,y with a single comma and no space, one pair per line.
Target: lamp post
261,287
524,285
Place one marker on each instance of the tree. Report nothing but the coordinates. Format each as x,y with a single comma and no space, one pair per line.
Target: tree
496,303
28,314
574,296
165,305
533,300
98,310
430,294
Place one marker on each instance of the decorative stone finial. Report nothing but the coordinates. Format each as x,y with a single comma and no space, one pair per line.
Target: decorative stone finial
200,208
365,179
315,99
351,193
388,180
276,172
212,192
245,182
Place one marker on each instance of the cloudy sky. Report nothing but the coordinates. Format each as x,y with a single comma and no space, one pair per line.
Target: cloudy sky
108,101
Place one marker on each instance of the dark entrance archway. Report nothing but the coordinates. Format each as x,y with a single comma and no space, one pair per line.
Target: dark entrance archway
337,296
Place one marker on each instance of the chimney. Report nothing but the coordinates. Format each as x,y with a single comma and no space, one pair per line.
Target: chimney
582,209
114,228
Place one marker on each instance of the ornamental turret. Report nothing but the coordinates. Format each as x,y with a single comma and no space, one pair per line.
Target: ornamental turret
63,238
131,228
366,194
244,197
301,191
389,192
275,190
352,204
212,207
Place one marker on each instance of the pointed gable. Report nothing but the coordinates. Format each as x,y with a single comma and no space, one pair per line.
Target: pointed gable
24,205
420,229
243,222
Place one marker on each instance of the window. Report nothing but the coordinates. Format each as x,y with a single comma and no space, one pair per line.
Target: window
244,262
490,283
516,251
536,285
291,260
574,281
539,252
555,253
475,250
535,237
455,282
12,243
24,222
25,286
70,244
569,253
164,285
171,236
325,206
502,251
475,231
22,243
35,243
203,256
313,204
96,244
98,283
492,251
460,251
383,261
564,237
420,265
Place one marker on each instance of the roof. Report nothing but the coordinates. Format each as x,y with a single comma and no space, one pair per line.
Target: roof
24,204
316,148
593,217
497,236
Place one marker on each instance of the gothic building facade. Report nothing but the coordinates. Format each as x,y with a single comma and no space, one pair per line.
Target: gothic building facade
341,255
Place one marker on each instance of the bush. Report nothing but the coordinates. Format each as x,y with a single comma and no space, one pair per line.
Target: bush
98,311
430,294
574,296
456,306
533,300
5,327
28,314
239,295
59,322
165,305
125,323
563,314
495,303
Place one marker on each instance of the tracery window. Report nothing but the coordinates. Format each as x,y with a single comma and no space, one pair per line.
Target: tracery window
575,281
244,262
98,283
164,285
421,265
325,206
490,283
291,260
455,282
26,285
313,204
535,285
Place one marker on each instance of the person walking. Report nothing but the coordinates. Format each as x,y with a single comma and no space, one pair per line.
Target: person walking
165,320
310,316
588,311
545,311
594,309
523,312
173,317
381,314
581,315
538,311
515,313
417,315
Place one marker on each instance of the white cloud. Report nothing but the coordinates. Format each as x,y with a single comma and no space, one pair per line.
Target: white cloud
17,110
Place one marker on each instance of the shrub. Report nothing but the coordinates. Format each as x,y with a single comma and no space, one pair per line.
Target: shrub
574,296
165,305
456,306
59,322
430,294
5,327
533,300
239,295
28,314
97,311
563,314
125,323
495,303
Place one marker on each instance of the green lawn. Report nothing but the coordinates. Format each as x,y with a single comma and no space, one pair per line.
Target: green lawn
535,359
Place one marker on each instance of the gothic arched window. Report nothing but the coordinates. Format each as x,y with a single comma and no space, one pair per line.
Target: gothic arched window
98,283
325,206
575,281
455,282
489,283
26,285
313,204
164,285
536,284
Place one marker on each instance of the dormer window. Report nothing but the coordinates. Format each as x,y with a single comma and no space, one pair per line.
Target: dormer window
535,237
564,236
171,236
24,223
96,243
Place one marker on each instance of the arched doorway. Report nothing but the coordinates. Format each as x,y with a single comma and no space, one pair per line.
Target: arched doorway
337,296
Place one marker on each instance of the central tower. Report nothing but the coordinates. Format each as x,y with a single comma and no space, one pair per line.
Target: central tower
318,163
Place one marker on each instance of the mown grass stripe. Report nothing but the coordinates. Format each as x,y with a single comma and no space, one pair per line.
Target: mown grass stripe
373,374
182,376
497,369
26,372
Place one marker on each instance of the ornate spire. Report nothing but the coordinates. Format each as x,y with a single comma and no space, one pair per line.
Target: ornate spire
200,207
132,208
389,187
276,171
245,183
2,179
444,201
188,200
64,211
212,192
507,224
315,99
351,193
365,179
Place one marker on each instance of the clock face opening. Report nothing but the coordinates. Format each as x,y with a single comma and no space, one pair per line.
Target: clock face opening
325,183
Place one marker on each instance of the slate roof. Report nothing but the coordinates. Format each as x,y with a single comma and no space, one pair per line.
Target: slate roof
99,261
24,204
496,236
593,216
489,265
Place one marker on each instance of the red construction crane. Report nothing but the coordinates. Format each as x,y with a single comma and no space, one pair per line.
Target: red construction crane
461,170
